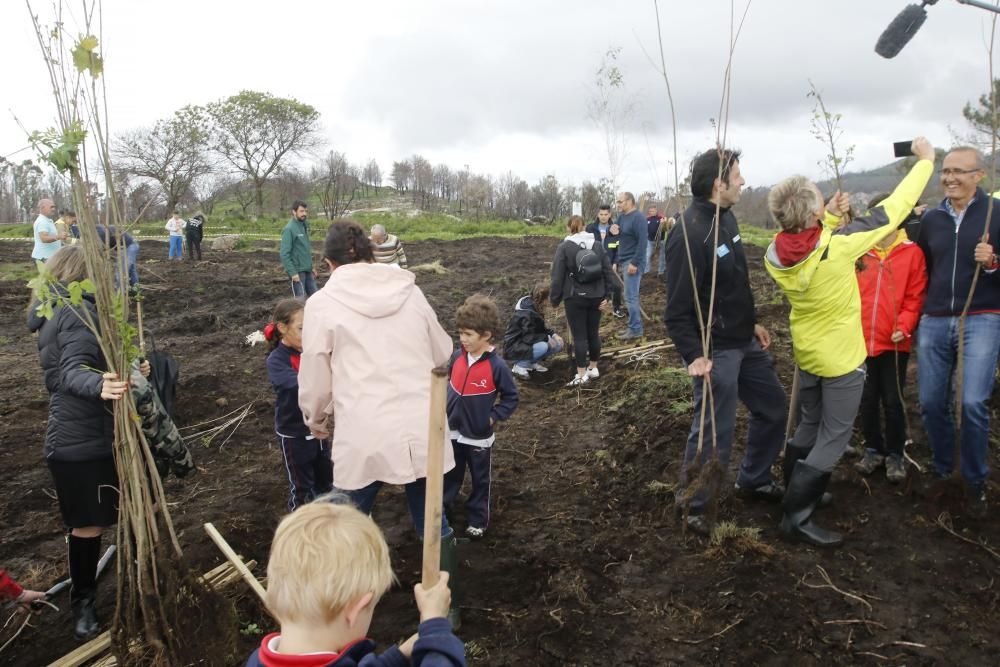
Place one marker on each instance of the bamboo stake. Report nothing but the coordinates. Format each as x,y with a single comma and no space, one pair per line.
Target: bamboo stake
433,502
237,562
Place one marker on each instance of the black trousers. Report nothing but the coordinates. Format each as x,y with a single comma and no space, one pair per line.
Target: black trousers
882,394
194,248
616,295
584,317
309,468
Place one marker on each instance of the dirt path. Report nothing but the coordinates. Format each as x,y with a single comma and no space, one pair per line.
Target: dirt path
584,562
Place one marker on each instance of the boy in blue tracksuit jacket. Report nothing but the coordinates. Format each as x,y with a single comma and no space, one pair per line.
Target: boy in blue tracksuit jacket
481,392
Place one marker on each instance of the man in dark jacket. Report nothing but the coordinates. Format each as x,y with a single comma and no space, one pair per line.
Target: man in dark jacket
951,236
606,232
737,362
296,252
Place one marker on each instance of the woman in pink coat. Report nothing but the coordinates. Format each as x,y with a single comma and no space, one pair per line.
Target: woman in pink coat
369,342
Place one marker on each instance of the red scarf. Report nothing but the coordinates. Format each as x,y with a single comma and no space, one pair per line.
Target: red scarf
295,356
792,248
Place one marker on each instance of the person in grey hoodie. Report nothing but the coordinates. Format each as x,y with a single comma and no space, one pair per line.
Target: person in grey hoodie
582,278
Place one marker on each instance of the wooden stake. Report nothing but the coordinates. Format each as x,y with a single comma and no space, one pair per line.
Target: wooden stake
237,562
435,478
793,404
138,315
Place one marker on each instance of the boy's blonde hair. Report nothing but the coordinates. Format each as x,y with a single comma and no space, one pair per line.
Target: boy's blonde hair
325,556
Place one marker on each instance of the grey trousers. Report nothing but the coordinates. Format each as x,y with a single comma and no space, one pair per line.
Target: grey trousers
746,374
828,407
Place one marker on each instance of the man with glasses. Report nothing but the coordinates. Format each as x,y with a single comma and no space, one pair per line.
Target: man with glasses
951,236
632,241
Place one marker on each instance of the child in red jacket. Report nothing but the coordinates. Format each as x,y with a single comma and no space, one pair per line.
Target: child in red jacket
11,590
892,278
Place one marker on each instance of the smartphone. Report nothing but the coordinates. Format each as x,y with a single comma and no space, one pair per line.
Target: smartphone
902,148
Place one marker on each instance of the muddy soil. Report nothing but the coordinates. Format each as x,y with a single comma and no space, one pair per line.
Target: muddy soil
584,562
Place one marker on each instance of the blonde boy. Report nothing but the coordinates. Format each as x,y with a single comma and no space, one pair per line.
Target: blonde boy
329,567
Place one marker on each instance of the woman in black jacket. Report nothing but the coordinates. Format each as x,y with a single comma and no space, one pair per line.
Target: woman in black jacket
195,230
582,278
528,340
80,431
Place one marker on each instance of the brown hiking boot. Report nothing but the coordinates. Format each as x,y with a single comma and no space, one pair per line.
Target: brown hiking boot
895,469
870,462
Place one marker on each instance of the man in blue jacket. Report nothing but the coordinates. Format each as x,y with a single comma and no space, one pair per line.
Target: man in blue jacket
951,236
632,242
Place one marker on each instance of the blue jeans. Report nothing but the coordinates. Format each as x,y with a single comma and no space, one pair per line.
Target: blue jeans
541,350
364,500
176,247
632,300
937,354
305,287
132,253
663,256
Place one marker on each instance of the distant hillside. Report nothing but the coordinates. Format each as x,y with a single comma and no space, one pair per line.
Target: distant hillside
882,179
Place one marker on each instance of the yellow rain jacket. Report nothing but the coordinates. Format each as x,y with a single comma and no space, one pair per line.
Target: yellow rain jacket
826,306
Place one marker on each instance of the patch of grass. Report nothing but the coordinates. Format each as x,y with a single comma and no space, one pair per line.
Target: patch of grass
17,271
17,231
434,267
728,539
6,340
757,236
657,488
475,650
667,382
199,289
680,407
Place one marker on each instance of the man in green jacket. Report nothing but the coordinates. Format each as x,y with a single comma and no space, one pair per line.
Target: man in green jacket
296,253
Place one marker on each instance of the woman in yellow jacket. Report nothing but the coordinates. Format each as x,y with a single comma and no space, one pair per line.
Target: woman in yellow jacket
812,260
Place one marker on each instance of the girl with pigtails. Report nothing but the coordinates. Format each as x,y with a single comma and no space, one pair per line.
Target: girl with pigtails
307,458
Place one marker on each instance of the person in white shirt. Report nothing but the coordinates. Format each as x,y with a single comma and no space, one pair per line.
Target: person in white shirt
175,225
48,238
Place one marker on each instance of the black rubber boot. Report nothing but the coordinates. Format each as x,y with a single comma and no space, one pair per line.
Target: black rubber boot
449,563
792,456
805,489
84,554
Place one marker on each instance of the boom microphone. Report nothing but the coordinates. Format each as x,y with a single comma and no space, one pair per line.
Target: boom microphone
901,30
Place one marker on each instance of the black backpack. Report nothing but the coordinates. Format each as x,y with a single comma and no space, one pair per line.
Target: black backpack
587,265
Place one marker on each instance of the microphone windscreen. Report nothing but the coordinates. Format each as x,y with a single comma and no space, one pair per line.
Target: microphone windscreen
900,31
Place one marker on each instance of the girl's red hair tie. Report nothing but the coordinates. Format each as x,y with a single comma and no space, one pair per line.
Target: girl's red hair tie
269,331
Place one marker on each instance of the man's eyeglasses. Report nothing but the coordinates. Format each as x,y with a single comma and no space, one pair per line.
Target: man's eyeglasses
958,172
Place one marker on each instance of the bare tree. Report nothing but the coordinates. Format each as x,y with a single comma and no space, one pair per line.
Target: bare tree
611,110
173,153
402,172
255,131
372,175
335,182
210,188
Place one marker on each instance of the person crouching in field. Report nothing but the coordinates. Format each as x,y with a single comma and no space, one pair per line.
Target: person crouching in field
814,265
307,458
527,340
388,248
328,568
481,392
892,277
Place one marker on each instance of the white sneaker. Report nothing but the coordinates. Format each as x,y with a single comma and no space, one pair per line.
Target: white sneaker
578,380
593,373
520,371
538,368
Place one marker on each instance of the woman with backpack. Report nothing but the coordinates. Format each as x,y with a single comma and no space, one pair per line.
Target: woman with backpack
582,278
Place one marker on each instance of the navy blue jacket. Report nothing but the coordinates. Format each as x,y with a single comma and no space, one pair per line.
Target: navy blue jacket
610,240
101,233
950,263
288,420
437,646
473,390
632,240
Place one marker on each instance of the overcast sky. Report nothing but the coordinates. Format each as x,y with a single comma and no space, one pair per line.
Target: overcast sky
505,85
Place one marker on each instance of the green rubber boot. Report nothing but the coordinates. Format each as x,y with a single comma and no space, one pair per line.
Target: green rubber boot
449,564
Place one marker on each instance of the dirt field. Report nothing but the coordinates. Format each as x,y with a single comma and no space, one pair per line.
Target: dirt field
584,562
